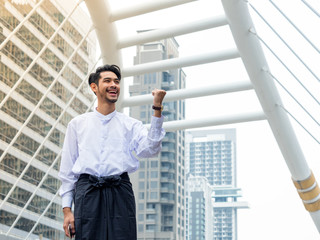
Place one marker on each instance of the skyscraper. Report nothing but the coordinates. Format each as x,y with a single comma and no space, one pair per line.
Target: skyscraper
199,216
42,68
212,154
159,184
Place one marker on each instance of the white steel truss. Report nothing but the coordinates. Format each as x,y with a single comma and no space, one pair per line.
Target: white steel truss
248,47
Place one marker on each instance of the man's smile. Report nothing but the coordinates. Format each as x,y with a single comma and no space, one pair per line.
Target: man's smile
112,92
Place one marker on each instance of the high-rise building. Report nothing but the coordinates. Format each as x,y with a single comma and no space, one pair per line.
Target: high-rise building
159,184
42,67
200,213
212,154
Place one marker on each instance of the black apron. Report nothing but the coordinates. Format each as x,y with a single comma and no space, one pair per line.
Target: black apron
104,208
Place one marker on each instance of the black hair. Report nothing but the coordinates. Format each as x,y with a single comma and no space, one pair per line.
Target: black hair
94,77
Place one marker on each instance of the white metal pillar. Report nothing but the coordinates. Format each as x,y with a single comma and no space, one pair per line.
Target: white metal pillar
255,63
107,35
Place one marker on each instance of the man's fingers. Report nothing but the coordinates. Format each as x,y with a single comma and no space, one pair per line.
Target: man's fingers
159,92
73,230
66,229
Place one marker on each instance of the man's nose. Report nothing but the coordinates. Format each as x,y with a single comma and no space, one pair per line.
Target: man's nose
113,84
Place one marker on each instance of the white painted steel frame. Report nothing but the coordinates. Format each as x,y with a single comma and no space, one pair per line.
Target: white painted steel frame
252,56
146,7
213,121
175,63
26,18
173,31
190,93
256,65
48,90
38,104
38,56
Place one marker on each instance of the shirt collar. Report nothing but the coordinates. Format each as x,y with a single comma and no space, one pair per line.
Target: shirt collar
105,118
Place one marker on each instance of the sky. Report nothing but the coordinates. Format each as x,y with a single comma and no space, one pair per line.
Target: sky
276,211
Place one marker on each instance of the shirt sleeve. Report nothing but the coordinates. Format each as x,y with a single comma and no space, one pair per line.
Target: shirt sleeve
148,143
68,158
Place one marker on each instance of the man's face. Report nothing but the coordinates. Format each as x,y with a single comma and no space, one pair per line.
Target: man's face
109,87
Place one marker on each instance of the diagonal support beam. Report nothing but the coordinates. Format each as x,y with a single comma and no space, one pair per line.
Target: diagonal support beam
25,19
256,65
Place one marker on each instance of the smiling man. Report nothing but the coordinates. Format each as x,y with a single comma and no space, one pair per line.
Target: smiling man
96,159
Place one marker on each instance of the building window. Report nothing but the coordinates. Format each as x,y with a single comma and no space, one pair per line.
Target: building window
140,227
154,184
154,174
141,195
154,195
141,185
150,227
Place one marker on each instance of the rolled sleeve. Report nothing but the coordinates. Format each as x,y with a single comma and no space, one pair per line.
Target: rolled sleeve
156,131
67,199
148,143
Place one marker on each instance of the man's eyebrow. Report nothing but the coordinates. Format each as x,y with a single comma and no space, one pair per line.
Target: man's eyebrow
111,78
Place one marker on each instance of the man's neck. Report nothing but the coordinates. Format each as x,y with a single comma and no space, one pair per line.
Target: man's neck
106,108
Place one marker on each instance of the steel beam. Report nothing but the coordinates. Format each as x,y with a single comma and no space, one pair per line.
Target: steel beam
249,47
173,31
181,62
107,35
180,94
212,121
146,7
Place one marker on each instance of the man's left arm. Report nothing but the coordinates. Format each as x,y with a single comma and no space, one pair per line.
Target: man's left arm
148,143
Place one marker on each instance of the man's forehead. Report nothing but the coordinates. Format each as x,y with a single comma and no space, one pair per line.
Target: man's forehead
108,74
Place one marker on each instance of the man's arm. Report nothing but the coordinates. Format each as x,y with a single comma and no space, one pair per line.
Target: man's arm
68,158
148,143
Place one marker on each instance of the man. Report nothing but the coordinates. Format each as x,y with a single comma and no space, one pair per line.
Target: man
96,159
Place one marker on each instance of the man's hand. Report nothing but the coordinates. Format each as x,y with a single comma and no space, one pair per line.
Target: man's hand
68,220
158,96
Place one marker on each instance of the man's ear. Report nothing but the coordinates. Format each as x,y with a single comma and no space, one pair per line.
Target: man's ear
94,88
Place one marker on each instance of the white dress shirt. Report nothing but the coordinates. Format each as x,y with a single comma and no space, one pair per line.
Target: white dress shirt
103,145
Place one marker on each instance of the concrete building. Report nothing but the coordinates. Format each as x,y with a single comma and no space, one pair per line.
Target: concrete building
212,154
42,66
200,213
159,184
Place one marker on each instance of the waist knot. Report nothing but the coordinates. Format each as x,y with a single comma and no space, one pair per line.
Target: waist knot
109,181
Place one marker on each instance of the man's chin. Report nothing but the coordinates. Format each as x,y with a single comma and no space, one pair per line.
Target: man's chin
112,100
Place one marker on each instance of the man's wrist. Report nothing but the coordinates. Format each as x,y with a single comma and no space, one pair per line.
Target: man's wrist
157,107
66,209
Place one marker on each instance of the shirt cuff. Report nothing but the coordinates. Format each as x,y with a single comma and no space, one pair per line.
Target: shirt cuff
156,122
67,200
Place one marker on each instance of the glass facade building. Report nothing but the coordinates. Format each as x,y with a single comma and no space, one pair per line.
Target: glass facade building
45,55
199,209
212,154
159,184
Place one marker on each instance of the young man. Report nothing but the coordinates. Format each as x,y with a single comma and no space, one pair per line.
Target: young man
96,159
